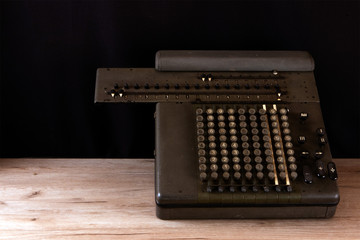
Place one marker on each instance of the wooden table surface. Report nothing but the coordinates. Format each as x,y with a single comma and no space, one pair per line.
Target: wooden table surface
114,199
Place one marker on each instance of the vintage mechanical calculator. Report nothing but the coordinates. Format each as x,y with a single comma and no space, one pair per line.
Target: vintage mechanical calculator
239,134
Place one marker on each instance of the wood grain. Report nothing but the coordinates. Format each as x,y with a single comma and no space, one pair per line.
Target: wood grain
114,199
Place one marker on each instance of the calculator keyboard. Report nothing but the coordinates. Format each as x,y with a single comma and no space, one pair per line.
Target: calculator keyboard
244,148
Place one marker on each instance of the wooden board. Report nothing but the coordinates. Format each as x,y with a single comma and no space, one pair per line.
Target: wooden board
114,199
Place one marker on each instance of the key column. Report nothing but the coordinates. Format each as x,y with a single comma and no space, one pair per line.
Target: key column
201,144
245,148
288,146
212,144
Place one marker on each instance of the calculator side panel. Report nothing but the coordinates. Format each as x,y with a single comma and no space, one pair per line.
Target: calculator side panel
176,178
321,190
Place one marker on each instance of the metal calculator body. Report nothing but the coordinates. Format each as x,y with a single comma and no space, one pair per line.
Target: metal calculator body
239,134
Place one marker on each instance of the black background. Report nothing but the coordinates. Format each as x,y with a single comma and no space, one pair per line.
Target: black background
50,52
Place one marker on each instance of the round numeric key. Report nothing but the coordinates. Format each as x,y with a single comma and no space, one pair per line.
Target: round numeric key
269,159
231,118
236,167
237,175
231,111
281,167
253,125
235,152
221,118
288,145
285,125
224,152
290,152
209,111
203,176
280,159
252,118
202,160
286,131
293,175
214,167
283,111
258,159
226,175
222,131
242,118
247,159
201,145
220,111
223,138
284,118
212,152
291,159
200,125
232,124
272,111
232,131
257,152
292,167
210,124
255,138
223,145
268,152
271,175
262,111
213,160
212,145
282,175
248,175
225,160
246,152
236,159
243,131
211,131
202,167
260,175
287,138
199,111
212,138
225,167
252,111
214,175
244,138
256,145
259,167
270,167
210,118
201,152
241,111
201,138
233,138
245,145
275,131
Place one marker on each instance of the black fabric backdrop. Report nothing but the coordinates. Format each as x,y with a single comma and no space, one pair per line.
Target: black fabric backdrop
50,52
